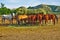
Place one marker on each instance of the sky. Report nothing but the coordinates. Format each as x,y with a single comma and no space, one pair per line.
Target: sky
17,3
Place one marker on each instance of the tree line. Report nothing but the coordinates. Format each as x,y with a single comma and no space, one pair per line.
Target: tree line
23,10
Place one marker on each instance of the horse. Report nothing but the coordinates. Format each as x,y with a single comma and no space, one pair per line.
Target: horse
8,17
21,18
40,17
32,19
50,17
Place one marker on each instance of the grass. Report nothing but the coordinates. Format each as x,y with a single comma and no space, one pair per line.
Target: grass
30,32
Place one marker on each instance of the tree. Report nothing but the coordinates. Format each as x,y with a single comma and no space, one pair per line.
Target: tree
46,8
40,10
2,5
13,11
4,11
21,10
29,11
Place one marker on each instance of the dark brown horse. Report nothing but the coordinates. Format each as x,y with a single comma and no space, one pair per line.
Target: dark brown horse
52,17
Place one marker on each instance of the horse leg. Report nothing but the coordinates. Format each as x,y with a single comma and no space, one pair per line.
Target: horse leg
43,21
9,21
54,21
28,20
18,22
40,21
56,18
21,21
12,21
3,21
51,21
25,21
46,21
33,22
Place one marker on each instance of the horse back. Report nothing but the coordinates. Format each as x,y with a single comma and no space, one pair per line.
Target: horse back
22,16
39,16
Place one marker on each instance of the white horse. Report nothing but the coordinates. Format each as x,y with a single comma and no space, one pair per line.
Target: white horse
8,17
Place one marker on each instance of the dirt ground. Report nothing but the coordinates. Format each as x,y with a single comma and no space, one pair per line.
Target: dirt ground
47,32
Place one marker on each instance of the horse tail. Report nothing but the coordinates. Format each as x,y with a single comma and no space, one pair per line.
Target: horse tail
56,18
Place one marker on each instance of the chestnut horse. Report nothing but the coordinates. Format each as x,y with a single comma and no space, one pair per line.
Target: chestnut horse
32,19
52,17
21,18
40,17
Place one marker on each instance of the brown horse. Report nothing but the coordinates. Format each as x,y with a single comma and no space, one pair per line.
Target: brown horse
32,19
52,17
40,17
21,18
